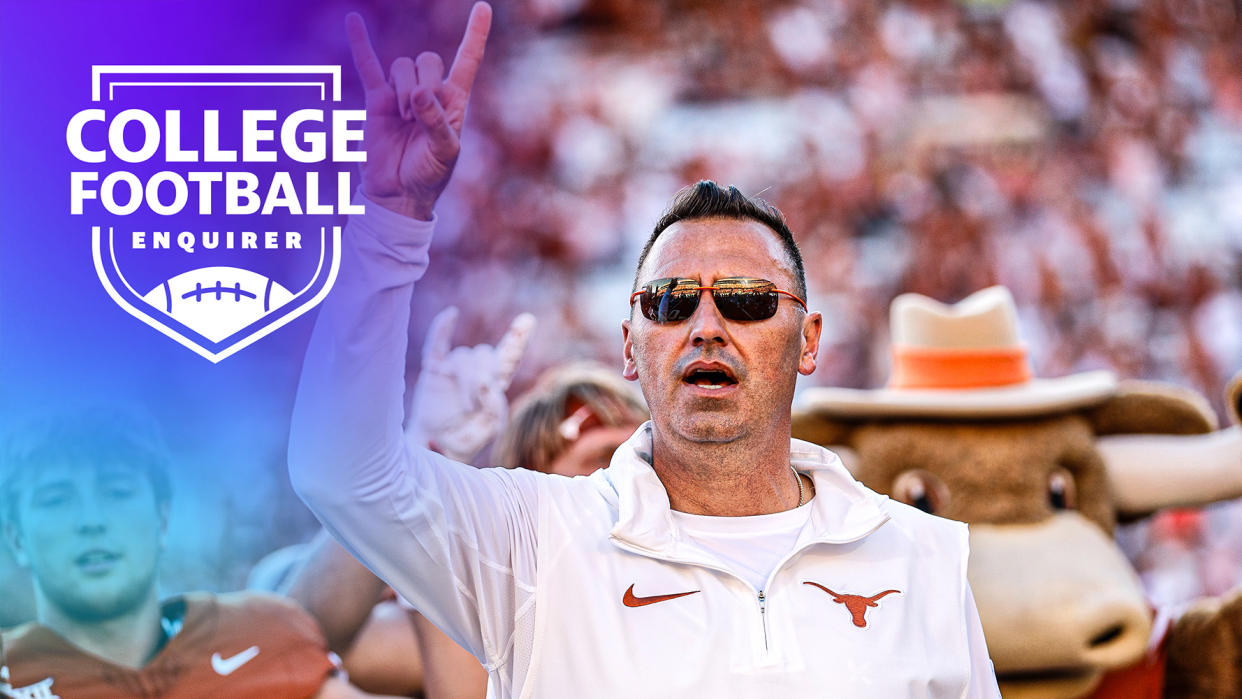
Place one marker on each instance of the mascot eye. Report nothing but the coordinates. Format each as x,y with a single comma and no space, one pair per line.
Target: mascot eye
1061,493
921,489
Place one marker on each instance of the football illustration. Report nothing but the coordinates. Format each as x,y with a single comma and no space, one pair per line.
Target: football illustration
218,301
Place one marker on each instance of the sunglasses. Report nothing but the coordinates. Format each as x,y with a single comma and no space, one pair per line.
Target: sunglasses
737,298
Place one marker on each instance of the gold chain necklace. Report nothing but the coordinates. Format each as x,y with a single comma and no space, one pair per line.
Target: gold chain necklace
801,492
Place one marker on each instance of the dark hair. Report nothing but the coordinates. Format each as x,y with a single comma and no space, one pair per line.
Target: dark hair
97,434
708,200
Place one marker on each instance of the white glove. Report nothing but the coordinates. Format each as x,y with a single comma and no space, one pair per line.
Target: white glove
459,400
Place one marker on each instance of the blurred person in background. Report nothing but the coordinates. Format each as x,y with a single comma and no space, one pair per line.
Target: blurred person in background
571,421
86,501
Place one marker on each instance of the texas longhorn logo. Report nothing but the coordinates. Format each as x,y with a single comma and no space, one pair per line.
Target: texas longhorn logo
856,604
213,194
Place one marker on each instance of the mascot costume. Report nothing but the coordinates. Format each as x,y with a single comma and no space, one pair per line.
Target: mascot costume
1042,470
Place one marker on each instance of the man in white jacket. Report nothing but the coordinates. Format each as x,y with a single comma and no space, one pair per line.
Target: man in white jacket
715,556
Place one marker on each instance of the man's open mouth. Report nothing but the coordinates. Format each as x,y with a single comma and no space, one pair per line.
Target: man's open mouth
96,560
709,376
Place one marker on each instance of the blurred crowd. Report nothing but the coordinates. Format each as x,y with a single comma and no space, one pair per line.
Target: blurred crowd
1088,155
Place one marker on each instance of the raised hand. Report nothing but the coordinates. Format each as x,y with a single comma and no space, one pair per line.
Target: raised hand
415,116
459,400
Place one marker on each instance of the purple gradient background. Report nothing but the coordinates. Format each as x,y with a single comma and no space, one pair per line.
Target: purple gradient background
60,334
64,342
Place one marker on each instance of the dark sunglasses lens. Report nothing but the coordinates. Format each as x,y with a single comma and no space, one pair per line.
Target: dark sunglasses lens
746,303
663,303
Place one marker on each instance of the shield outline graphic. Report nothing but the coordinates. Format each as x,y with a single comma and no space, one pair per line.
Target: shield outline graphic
128,298
104,81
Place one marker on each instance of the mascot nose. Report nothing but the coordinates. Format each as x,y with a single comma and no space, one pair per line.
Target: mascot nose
1056,595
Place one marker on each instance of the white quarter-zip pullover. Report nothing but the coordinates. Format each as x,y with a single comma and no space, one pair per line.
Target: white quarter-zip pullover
751,547
589,586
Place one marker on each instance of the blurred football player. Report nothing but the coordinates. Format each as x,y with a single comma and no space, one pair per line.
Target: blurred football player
86,503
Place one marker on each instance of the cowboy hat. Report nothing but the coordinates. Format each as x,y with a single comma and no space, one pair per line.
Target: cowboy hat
964,360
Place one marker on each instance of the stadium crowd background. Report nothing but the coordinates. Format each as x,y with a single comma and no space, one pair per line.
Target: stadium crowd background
1087,155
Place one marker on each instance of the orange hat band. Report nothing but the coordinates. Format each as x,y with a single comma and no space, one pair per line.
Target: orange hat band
921,367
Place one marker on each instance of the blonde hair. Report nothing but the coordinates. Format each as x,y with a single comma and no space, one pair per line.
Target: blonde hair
533,437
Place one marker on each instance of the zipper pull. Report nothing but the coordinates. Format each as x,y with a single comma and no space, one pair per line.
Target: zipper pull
763,618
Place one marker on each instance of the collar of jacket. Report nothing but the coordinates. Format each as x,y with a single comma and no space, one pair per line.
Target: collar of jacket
842,510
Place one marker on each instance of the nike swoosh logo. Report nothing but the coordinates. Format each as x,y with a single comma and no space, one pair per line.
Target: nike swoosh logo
630,600
227,666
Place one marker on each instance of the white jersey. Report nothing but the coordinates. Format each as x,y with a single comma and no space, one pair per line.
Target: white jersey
587,587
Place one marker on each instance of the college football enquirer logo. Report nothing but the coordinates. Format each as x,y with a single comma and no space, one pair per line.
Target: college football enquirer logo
214,194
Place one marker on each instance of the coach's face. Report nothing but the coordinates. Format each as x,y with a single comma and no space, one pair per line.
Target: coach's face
91,537
708,378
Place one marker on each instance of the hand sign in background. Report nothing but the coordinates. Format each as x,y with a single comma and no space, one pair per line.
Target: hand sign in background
459,400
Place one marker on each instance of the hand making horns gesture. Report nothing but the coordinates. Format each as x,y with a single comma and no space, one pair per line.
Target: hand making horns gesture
415,116
459,401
